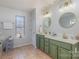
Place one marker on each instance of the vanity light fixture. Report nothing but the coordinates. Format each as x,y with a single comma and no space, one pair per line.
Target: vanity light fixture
67,3
47,15
45,11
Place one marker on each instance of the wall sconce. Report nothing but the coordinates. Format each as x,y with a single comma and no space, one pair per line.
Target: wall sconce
67,3
46,10
47,15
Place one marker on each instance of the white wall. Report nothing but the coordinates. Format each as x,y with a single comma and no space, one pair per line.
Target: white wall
33,15
55,27
8,15
39,18
56,14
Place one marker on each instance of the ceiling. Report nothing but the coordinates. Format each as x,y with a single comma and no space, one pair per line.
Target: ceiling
24,4
18,4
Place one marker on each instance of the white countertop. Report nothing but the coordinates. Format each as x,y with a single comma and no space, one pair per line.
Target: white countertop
70,41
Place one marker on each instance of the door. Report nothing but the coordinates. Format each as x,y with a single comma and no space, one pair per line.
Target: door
42,42
46,48
64,54
33,13
53,51
38,41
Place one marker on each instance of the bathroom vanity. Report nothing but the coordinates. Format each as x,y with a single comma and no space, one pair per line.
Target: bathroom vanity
57,47
65,47
0,49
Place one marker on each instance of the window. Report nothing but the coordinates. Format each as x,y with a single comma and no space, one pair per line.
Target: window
20,21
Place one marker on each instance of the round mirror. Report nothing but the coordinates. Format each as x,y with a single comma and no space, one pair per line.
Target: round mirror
67,20
46,24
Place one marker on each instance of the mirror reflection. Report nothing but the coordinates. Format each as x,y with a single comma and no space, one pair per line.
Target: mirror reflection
46,24
67,20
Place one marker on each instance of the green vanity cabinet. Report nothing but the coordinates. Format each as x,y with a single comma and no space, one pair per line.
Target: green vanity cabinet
42,42
53,51
78,47
46,47
64,53
75,51
57,49
38,41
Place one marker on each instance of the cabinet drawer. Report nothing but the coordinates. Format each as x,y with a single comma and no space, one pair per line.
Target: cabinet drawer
54,42
66,45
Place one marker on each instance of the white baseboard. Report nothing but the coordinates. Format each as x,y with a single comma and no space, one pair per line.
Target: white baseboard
23,44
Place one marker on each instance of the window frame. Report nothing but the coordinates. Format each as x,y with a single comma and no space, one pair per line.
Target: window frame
16,25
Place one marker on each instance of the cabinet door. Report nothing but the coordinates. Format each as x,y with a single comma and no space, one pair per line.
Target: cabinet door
53,51
0,53
37,41
46,49
0,56
42,43
64,54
